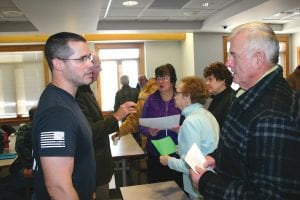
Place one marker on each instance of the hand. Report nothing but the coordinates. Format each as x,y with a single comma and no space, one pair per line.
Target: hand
125,109
153,131
210,162
27,173
115,138
164,159
176,129
195,176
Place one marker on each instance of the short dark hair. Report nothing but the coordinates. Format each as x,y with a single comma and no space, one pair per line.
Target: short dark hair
220,72
31,112
166,69
57,46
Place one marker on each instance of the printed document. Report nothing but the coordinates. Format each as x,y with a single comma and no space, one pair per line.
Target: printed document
161,123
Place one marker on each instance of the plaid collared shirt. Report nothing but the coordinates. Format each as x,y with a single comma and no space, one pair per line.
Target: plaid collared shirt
258,154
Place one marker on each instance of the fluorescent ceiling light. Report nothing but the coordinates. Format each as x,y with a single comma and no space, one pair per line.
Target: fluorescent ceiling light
191,13
12,13
205,4
130,3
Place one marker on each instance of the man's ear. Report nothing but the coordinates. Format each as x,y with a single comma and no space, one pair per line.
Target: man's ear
260,58
57,64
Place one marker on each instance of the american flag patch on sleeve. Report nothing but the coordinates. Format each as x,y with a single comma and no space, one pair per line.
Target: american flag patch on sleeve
53,139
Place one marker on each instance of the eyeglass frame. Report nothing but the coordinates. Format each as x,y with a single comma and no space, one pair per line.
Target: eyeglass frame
163,78
82,59
177,93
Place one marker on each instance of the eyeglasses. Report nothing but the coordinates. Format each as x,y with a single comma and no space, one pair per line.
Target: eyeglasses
82,59
163,78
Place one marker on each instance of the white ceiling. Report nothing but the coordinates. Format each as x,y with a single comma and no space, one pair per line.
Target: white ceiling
109,16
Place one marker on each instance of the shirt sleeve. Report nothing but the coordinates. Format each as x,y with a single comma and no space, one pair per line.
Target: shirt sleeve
56,132
23,144
145,130
189,134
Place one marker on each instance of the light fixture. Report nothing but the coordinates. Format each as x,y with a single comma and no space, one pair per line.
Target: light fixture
130,3
12,13
205,4
191,13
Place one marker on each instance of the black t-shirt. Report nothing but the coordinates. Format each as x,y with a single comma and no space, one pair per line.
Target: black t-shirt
61,129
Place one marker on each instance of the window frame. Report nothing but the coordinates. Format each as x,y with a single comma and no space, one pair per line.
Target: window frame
99,46
17,48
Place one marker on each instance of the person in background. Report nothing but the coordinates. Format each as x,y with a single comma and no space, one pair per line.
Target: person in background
161,104
218,80
131,124
5,131
126,93
64,164
101,128
142,82
258,149
200,127
24,145
294,79
18,184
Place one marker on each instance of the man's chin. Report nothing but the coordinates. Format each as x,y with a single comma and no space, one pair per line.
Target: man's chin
88,81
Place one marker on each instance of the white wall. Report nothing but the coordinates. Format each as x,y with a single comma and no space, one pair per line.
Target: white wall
189,57
295,44
161,52
208,49
188,61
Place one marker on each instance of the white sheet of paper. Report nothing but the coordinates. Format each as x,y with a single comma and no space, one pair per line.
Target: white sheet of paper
195,157
160,123
112,182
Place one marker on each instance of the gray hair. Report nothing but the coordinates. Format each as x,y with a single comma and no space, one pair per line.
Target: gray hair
260,37
124,80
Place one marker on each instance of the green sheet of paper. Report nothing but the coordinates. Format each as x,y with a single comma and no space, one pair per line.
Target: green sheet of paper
165,145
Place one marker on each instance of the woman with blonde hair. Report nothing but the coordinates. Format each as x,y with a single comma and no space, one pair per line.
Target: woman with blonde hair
199,127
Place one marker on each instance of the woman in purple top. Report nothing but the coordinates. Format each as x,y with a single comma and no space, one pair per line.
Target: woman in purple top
161,104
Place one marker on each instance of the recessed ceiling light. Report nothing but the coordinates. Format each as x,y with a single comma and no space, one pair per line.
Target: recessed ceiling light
205,4
12,13
130,3
191,13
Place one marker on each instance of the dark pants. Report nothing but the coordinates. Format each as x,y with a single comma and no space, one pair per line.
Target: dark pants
159,173
14,187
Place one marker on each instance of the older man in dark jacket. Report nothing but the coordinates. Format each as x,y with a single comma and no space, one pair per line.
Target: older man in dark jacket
101,128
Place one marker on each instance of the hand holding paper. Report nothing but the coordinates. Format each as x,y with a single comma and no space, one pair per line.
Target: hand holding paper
195,157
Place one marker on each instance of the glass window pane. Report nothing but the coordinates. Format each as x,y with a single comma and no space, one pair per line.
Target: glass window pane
130,68
106,54
21,83
109,84
116,63
7,91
